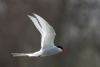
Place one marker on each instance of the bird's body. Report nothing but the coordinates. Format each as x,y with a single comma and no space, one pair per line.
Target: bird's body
47,38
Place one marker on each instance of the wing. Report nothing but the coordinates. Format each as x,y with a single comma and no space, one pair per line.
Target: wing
47,40
35,54
48,34
20,54
36,23
46,28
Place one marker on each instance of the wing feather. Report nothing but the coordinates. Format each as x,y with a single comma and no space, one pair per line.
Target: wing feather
34,20
48,34
45,26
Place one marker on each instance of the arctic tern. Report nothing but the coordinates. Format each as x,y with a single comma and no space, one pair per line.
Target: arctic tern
47,39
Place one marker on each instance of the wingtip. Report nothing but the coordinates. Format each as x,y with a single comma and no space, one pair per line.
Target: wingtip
34,14
29,16
17,54
14,54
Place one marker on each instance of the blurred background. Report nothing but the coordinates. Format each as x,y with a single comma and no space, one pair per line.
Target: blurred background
76,22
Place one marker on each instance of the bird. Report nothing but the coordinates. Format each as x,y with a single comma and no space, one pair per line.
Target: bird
48,34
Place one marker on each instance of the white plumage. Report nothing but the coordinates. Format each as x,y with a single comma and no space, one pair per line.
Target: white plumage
47,38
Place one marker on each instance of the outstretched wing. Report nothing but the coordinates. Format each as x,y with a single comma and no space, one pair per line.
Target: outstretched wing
35,54
44,24
36,23
21,54
48,34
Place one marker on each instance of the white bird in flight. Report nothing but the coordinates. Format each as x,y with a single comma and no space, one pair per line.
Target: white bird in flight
47,39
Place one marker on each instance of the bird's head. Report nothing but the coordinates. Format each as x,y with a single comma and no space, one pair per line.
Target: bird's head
60,47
